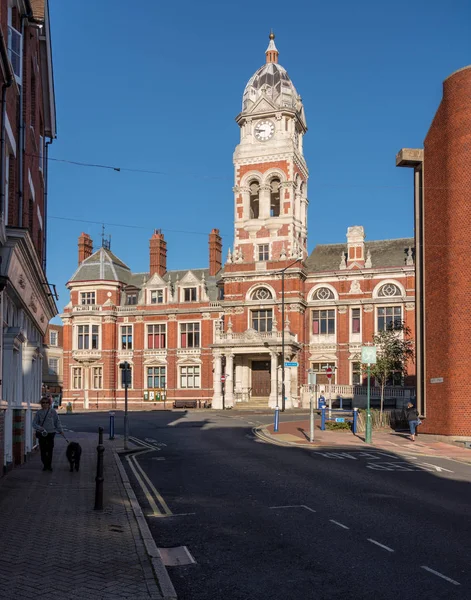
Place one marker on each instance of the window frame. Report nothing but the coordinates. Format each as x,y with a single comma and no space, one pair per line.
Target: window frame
93,331
156,334
328,318
159,294
129,344
18,61
262,318
134,296
51,371
56,334
263,251
193,375
157,377
84,296
77,378
185,324
95,375
189,289
385,318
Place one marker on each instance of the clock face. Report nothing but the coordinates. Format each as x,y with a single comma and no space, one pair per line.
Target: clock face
264,130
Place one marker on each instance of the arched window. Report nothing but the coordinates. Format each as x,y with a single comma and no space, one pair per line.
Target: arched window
262,294
324,294
254,199
275,190
388,290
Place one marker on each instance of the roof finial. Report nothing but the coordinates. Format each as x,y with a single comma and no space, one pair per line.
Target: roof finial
272,52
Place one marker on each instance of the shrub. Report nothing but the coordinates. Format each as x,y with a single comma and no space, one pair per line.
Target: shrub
333,425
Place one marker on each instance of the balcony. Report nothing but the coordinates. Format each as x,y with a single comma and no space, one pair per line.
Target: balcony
253,337
87,308
86,356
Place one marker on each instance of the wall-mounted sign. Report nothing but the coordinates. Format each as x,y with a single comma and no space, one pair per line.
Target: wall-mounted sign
436,380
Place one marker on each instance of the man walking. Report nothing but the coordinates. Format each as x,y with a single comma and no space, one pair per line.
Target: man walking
46,423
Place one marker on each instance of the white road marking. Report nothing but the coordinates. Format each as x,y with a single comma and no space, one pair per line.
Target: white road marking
172,557
440,575
295,506
339,524
380,545
142,443
171,515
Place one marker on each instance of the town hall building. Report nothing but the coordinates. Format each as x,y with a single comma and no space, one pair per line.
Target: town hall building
223,335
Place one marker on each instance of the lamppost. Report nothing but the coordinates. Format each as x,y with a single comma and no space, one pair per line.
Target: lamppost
282,271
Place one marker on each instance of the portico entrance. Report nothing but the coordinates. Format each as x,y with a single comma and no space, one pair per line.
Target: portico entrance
261,382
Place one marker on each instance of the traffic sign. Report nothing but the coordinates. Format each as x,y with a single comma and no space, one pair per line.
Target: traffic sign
223,378
368,355
291,364
328,372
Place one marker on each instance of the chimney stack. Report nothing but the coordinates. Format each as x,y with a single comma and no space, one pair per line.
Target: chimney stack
215,252
85,247
158,253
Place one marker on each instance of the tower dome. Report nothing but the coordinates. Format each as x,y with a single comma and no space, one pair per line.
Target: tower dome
270,80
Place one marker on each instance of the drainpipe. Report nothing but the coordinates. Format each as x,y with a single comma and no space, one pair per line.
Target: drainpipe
21,127
46,178
8,82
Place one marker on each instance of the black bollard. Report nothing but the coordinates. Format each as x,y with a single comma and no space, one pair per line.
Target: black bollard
99,472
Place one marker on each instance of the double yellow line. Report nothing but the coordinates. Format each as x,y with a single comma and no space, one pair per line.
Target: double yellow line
154,498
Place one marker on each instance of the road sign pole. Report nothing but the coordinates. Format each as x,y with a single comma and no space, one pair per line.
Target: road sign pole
330,398
368,411
311,410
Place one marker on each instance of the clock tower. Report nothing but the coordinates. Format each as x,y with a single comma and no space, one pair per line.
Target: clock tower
270,192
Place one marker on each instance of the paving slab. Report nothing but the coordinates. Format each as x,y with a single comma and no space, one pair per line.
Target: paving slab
55,545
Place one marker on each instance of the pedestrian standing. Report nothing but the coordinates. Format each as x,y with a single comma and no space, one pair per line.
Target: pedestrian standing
46,423
412,416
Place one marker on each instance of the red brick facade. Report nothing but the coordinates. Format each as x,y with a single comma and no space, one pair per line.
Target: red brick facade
447,261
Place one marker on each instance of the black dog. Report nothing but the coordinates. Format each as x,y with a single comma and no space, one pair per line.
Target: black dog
73,453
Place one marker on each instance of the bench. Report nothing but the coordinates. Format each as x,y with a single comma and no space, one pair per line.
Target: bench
187,404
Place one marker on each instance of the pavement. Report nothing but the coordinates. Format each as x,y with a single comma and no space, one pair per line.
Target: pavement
296,433
55,545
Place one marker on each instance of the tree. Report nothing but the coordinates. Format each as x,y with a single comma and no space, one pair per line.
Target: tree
394,350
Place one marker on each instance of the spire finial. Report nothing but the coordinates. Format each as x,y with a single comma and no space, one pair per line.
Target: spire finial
272,52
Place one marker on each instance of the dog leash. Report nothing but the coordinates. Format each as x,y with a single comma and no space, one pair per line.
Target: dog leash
63,435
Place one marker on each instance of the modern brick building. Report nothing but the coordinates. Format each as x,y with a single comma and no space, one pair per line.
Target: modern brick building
184,331
442,179
27,304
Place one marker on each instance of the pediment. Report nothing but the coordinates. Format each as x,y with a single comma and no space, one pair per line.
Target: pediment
155,281
264,104
189,278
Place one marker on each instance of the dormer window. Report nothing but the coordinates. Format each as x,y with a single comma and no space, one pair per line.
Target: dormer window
131,298
157,297
189,294
87,298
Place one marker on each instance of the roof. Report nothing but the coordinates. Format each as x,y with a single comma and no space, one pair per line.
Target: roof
384,254
273,81
102,265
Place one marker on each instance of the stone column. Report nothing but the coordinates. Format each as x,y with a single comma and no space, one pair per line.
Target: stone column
288,393
217,370
273,377
229,399
264,202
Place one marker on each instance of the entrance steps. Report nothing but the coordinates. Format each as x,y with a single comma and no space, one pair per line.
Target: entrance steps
255,403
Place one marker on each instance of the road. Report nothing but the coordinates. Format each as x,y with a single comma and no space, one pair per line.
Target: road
262,521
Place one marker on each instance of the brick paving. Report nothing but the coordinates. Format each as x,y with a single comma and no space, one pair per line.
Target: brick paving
296,433
56,546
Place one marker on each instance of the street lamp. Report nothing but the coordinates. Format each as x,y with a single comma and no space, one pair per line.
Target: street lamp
283,332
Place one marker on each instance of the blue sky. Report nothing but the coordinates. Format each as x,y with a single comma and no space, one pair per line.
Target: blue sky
156,86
